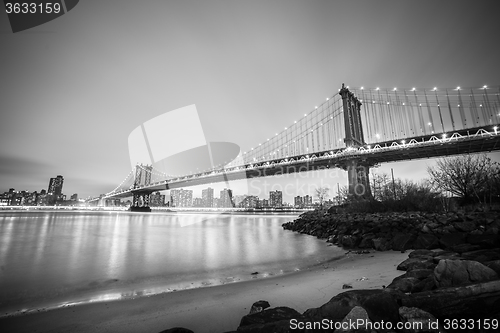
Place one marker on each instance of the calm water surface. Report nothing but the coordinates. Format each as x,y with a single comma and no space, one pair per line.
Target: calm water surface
53,259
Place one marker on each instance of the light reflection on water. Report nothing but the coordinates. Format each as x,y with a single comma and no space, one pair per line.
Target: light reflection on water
51,259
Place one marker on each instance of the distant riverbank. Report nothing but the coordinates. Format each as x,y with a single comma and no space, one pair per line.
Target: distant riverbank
162,209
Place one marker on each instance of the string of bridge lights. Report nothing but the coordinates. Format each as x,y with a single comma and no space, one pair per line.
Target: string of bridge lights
289,127
413,89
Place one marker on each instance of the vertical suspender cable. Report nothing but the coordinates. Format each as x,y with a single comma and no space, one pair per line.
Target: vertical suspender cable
473,106
419,112
449,109
431,121
461,109
439,110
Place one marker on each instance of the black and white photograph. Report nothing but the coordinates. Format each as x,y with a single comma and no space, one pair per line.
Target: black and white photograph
269,166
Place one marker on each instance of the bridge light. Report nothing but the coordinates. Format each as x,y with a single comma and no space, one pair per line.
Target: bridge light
458,105
495,129
377,88
485,87
395,89
413,89
481,105
403,141
295,122
444,136
377,135
327,98
362,88
435,88
285,128
369,147
387,103
403,103
305,114
458,88
373,102
429,124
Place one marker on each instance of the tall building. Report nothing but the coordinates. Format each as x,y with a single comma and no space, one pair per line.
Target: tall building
181,198
276,199
207,195
226,198
298,201
198,202
250,201
55,185
157,199
307,201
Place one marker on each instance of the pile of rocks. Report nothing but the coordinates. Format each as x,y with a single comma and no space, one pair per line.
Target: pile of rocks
437,285
401,231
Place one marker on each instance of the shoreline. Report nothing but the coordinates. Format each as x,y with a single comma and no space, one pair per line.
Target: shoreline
216,308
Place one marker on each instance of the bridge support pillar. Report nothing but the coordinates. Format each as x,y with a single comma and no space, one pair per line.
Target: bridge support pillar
358,179
140,202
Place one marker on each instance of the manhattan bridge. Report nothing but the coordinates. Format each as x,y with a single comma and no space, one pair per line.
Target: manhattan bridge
355,129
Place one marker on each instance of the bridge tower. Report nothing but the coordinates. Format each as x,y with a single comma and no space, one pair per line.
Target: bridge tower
141,198
358,169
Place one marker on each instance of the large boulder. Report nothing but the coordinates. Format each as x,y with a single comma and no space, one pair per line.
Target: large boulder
404,284
382,244
421,252
380,304
268,316
426,241
484,255
420,273
416,263
424,285
449,273
259,306
402,241
427,322
494,265
356,315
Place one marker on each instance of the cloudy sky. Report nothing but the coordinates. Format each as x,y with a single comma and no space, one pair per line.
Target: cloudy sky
72,90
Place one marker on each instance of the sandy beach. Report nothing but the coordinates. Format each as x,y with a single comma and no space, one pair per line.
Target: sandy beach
218,308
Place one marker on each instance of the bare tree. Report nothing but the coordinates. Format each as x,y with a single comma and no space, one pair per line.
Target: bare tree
322,194
466,176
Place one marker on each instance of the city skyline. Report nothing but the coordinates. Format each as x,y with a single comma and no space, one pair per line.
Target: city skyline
75,87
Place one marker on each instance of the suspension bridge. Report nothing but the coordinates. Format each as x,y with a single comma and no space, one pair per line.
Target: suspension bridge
355,129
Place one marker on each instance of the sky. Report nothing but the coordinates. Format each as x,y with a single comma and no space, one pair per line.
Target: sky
72,90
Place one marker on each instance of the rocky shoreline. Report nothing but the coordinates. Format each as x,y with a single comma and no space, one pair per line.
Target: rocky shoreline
402,231
451,279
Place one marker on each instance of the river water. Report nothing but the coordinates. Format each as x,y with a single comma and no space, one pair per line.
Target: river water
52,259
